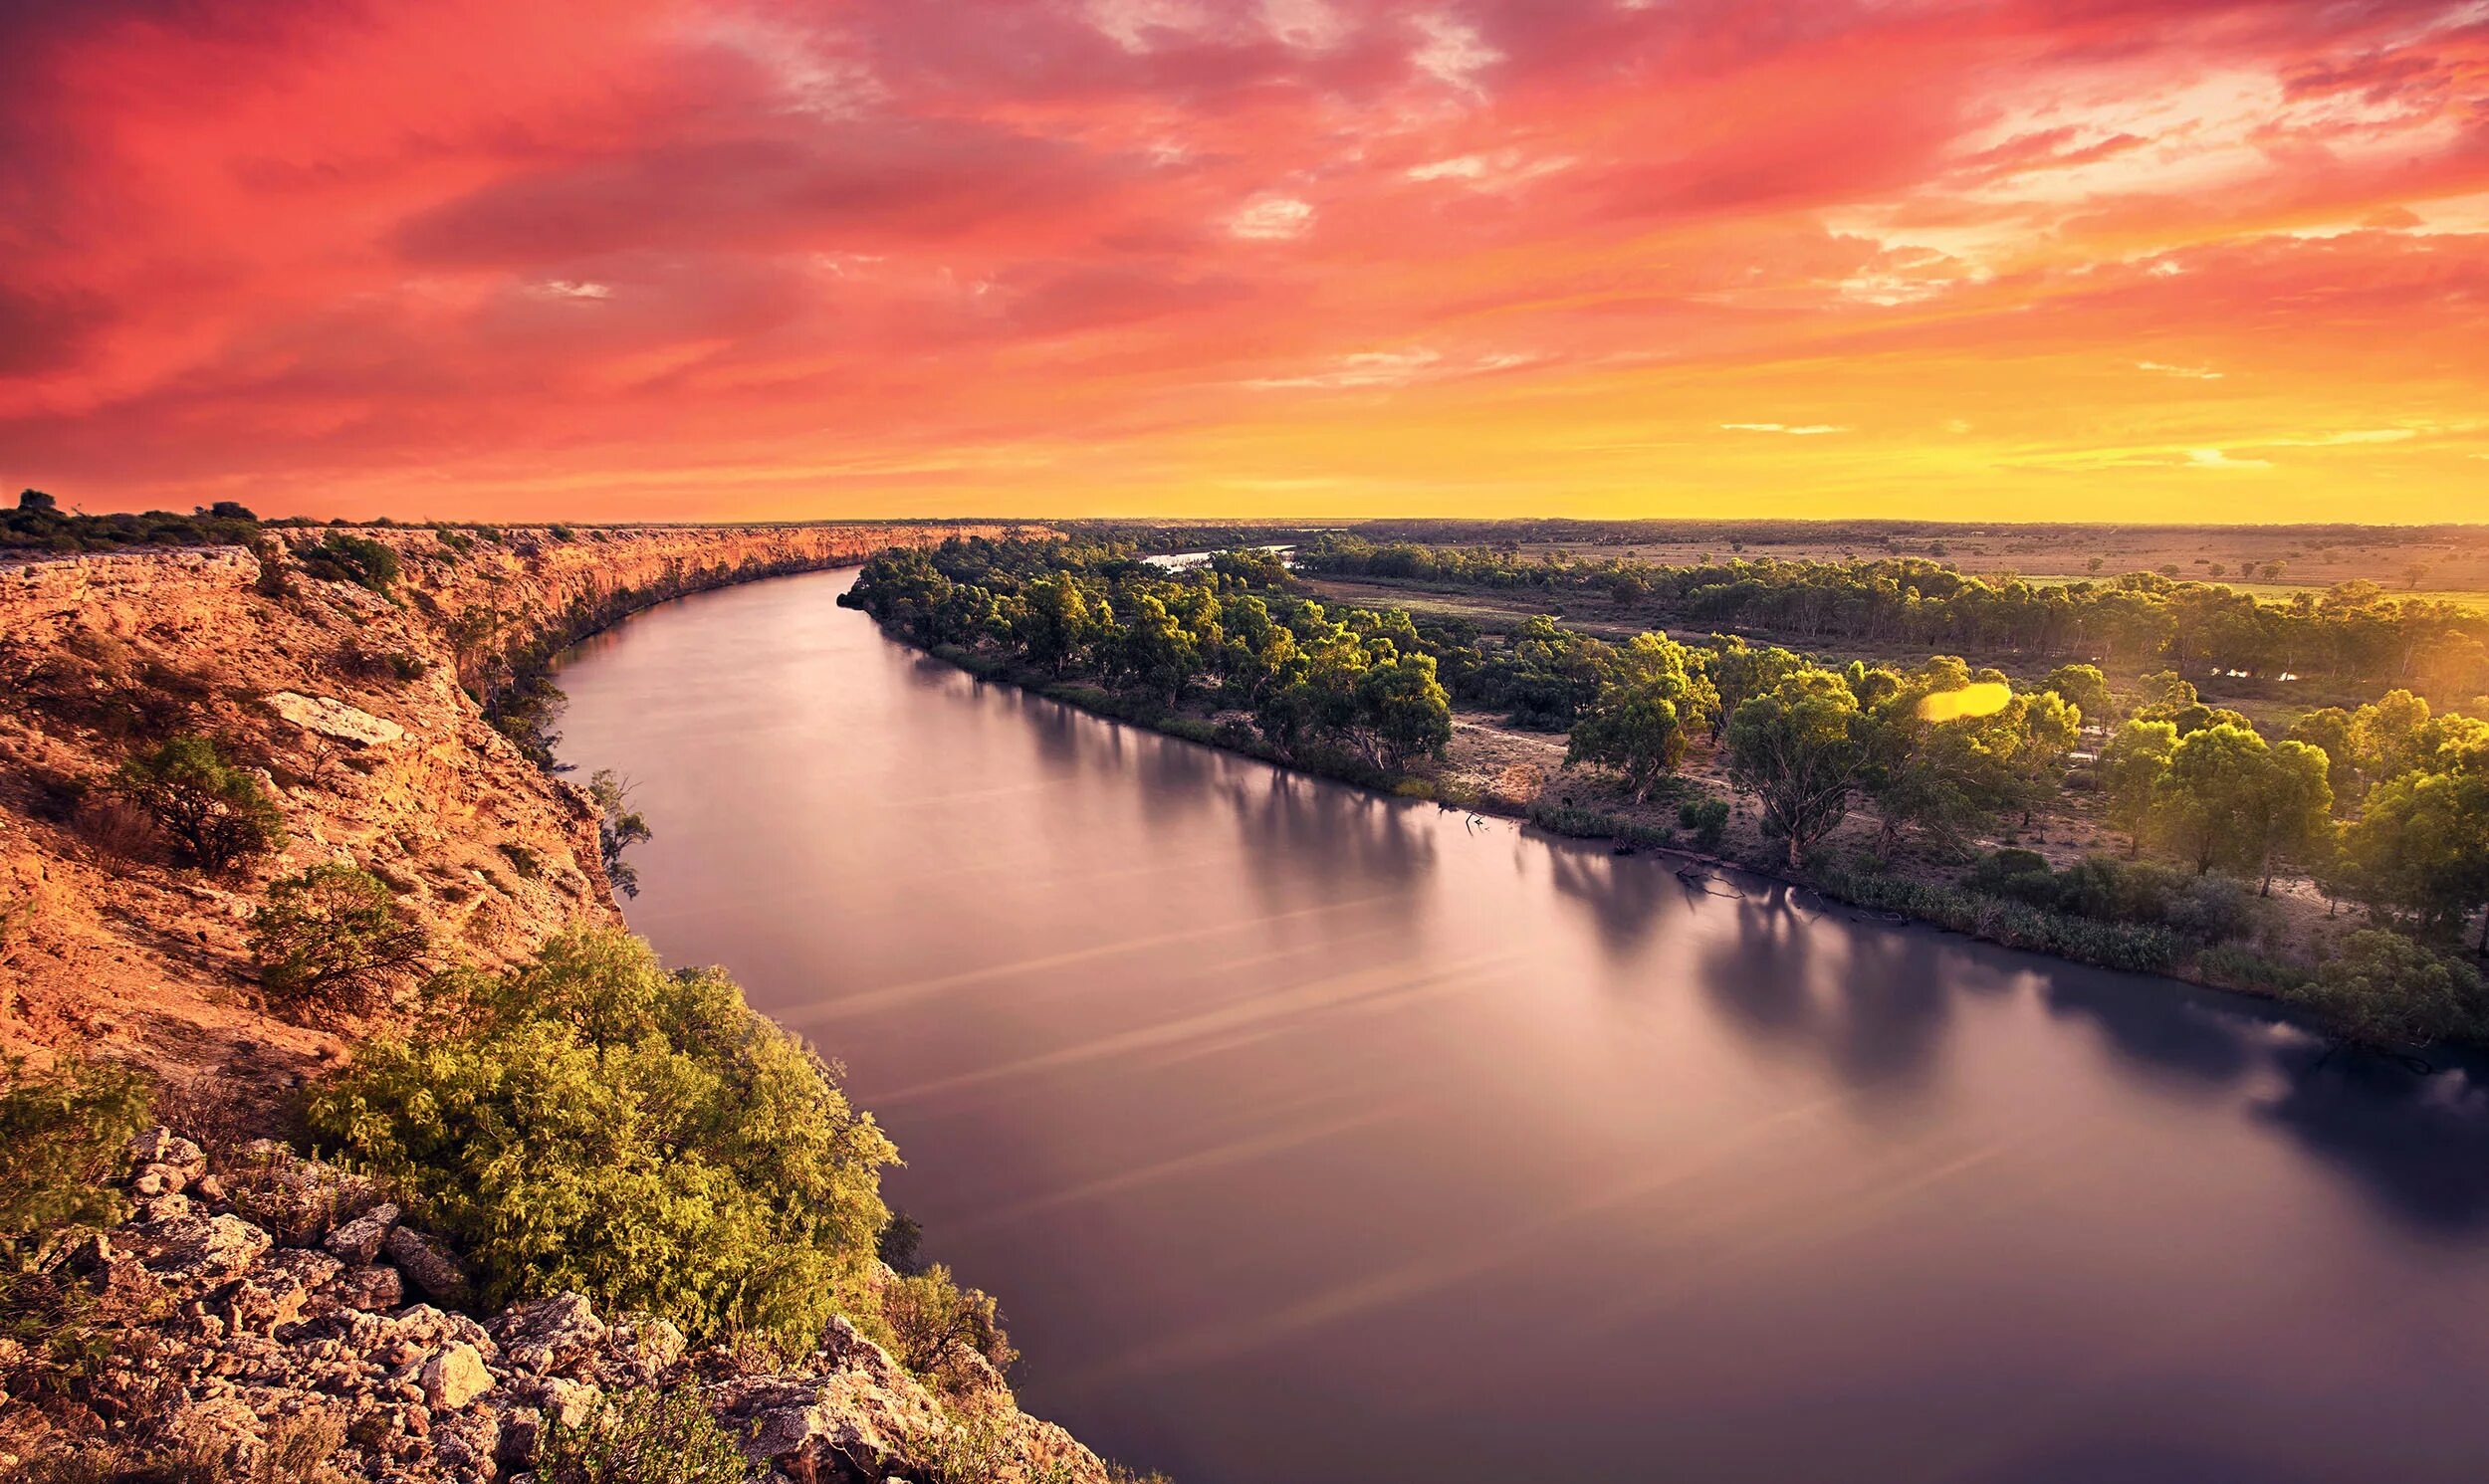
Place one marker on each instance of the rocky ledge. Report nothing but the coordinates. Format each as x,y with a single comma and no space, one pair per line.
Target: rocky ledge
266,1317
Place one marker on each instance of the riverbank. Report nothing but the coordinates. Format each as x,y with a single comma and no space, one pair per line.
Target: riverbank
1471,784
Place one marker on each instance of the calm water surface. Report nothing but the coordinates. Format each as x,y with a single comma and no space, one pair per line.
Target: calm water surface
1312,1138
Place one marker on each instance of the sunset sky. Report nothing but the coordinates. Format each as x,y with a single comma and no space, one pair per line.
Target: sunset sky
2221,260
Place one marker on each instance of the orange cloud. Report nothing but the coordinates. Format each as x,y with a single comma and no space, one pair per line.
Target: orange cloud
2200,259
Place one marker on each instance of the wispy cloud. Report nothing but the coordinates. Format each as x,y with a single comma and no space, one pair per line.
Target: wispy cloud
2213,458
1801,430
1384,368
2191,373
1270,217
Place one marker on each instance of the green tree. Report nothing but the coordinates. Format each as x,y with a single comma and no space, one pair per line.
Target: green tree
2211,793
2131,766
2290,813
2086,689
330,937
1404,705
1740,672
216,812
2390,736
1797,748
2329,730
2164,694
1639,724
1059,621
2421,846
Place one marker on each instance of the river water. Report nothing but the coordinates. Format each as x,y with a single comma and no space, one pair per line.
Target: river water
1314,1138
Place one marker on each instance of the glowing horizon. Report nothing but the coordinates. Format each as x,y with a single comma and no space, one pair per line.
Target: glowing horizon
2195,261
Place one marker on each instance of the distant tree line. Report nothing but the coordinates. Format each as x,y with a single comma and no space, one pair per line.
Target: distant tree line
2353,631
39,524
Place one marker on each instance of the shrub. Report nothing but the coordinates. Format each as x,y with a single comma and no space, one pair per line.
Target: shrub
218,813
331,935
339,558
2243,968
901,1244
932,1326
619,828
644,1436
522,860
593,1122
2007,866
60,1137
2015,923
2384,990
2208,909
1705,820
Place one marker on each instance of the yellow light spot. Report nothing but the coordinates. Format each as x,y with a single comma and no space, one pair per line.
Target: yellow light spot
1983,699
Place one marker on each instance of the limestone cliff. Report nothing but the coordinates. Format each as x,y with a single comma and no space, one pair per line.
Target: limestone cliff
357,705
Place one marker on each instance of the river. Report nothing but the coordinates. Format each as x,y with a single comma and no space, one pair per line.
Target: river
1315,1138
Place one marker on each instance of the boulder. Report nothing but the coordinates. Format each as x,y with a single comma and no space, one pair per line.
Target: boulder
336,720
193,1254
522,1433
158,1180
161,1145
549,1335
369,1287
358,1241
273,1295
454,1377
427,1265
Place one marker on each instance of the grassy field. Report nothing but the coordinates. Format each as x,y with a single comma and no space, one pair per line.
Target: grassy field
2439,562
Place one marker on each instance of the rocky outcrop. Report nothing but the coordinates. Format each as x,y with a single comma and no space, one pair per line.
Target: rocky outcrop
359,710
248,1356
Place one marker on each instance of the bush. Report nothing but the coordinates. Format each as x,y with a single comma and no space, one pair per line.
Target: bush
1592,825
216,812
2243,968
2208,909
619,828
2015,923
2382,990
593,1122
339,558
1705,820
330,937
61,1139
644,1436
932,1326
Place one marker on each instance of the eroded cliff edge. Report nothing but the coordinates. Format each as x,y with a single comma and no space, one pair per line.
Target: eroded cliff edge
262,1316
362,708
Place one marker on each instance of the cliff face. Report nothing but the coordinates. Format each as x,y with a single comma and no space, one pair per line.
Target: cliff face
352,706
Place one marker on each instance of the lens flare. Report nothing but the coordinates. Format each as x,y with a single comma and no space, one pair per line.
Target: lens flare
1981,698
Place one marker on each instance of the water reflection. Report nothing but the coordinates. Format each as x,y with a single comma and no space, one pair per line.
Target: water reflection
1312,1136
